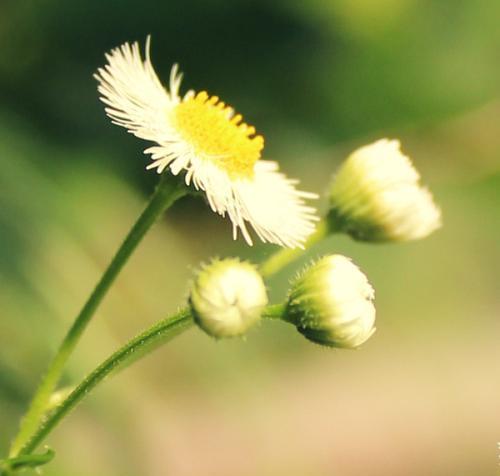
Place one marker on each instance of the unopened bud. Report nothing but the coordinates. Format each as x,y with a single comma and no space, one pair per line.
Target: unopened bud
376,196
331,303
227,297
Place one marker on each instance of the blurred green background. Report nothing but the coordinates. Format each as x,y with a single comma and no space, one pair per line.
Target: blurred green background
318,78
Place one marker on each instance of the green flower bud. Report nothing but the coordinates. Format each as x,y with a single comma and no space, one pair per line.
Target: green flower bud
376,196
331,303
227,297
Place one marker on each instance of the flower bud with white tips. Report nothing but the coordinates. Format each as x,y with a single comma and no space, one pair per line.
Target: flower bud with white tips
331,303
227,297
376,196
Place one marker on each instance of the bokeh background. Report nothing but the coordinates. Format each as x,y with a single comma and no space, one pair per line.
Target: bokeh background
318,78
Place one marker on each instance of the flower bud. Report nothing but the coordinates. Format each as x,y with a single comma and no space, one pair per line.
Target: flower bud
227,297
376,196
331,303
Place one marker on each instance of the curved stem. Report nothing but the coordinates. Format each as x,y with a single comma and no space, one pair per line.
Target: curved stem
281,258
166,193
136,348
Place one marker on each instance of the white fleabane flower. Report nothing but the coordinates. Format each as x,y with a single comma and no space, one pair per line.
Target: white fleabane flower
201,136
331,303
376,196
227,297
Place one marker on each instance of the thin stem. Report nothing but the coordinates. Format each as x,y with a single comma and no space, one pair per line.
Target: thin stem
136,348
274,311
165,194
281,258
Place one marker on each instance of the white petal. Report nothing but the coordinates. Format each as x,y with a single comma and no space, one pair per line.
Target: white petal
268,201
274,207
135,96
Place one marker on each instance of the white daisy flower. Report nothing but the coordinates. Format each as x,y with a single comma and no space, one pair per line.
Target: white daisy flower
201,136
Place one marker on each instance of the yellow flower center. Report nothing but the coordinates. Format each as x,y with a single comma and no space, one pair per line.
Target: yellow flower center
217,135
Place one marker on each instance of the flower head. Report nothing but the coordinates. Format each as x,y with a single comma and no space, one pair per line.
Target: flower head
200,135
227,297
331,303
376,196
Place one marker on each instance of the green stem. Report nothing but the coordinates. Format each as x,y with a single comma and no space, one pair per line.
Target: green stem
166,193
136,348
274,311
281,258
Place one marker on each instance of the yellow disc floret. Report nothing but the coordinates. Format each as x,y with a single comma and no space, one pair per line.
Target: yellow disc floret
216,134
